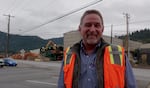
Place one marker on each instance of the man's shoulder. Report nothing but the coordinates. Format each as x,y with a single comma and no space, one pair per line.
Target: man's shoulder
74,47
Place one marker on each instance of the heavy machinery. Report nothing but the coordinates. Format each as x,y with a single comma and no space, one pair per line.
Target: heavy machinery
52,51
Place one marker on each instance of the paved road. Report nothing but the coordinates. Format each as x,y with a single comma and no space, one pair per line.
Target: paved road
142,77
30,74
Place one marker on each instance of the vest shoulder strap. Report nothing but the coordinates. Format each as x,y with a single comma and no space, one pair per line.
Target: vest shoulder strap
67,56
116,54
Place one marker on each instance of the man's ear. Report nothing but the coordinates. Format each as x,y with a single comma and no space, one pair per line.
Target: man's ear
103,29
79,28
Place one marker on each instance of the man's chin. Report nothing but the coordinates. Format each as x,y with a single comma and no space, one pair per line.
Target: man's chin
92,42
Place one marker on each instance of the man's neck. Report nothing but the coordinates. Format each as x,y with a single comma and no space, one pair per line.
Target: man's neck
89,48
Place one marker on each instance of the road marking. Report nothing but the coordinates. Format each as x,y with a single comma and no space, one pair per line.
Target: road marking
34,81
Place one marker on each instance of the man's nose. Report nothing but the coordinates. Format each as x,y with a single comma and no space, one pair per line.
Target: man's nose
92,28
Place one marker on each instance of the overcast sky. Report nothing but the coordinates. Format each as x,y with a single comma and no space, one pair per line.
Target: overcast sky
29,14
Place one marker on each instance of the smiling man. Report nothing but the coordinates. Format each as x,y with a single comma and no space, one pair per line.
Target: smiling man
93,63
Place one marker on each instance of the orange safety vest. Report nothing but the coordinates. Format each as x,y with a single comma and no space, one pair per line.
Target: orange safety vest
114,67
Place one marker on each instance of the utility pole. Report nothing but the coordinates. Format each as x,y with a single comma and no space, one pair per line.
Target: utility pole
111,34
7,40
127,35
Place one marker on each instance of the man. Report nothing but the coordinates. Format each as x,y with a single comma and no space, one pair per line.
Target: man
93,63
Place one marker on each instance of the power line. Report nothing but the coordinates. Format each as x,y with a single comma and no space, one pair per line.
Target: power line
134,22
10,7
120,31
57,18
143,21
18,7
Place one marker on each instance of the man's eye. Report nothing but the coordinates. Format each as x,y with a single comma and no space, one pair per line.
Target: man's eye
88,25
97,25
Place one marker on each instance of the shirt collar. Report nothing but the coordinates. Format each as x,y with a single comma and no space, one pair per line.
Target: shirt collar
82,46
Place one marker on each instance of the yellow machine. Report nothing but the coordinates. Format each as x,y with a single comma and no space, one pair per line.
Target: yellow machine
52,51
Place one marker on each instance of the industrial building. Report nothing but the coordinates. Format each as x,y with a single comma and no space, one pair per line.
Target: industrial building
73,36
144,54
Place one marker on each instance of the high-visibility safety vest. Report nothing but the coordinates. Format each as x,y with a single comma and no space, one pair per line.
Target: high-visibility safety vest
114,67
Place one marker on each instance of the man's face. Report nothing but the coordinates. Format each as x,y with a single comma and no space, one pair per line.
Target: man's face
91,29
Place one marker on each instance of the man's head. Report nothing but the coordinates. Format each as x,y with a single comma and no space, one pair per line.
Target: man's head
91,27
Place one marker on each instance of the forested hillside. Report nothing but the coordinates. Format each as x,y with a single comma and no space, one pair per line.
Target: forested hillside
141,36
17,42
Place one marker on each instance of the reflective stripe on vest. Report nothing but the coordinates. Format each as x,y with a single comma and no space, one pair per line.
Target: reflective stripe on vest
67,56
114,67
69,59
115,54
